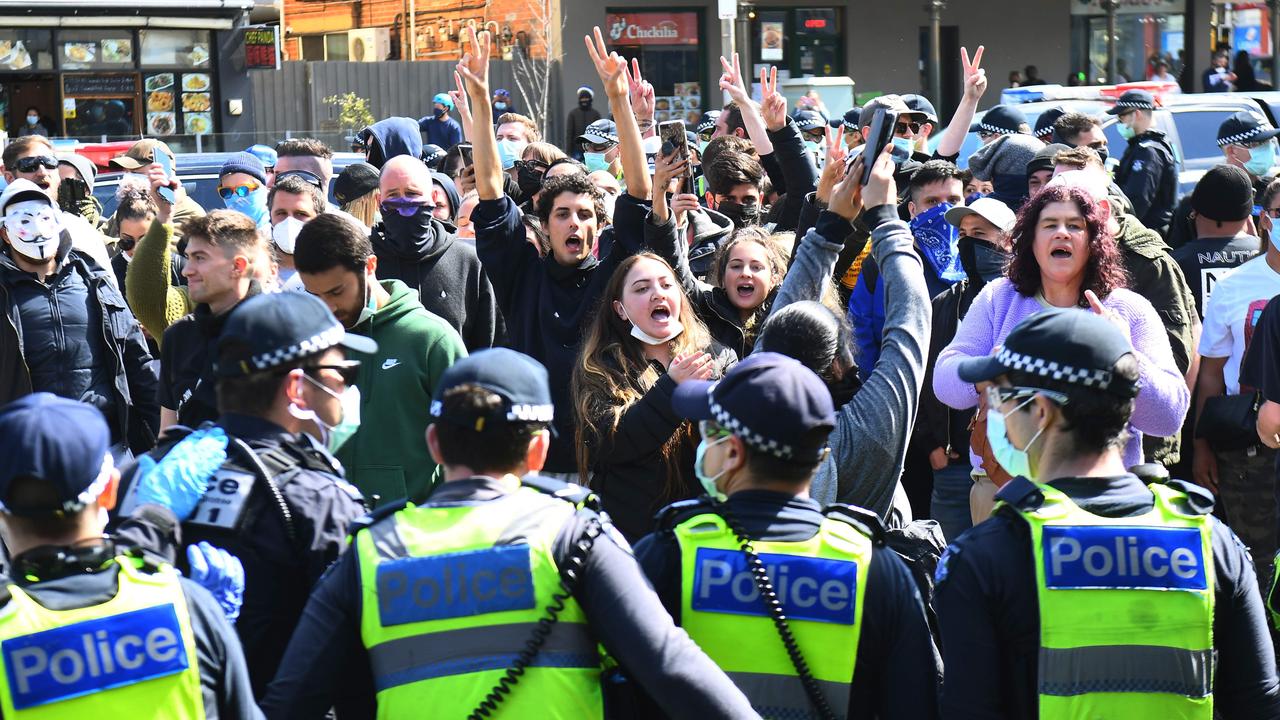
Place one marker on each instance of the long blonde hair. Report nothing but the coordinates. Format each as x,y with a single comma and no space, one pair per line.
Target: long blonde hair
364,208
612,373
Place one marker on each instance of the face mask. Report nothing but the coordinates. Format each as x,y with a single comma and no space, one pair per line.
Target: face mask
904,148
968,199
584,103
708,481
1125,131
335,436
509,151
370,305
529,180
1014,461
440,112
980,259
1261,159
254,204
32,119
415,226
741,215
595,161
285,234
1275,234
1103,154
499,106
646,338
702,146
33,228
938,239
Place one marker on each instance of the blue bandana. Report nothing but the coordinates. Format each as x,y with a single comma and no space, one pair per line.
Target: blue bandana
937,238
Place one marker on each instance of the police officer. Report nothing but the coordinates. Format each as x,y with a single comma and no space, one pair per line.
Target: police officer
1148,172
91,626
1088,593
253,483
492,597
853,614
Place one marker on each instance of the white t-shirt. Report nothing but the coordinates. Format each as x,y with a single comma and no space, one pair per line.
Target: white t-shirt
1232,313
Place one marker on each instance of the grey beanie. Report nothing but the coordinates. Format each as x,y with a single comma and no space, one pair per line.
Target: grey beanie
1006,155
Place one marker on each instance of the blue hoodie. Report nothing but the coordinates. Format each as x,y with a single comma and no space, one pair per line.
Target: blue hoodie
395,136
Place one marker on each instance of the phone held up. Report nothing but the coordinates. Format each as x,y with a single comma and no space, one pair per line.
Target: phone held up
674,139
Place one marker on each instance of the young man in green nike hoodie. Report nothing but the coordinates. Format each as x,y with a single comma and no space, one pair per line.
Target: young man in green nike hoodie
387,457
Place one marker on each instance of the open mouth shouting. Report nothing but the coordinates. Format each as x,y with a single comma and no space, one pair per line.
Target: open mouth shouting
574,245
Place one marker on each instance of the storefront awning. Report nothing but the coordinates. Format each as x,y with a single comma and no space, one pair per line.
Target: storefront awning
79,6
116,21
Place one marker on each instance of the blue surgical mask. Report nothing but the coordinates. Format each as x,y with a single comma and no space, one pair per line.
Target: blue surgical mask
1015,461
1275,234
708,481
1125,131
509,151
33,119
1261,159
702,146
595,161
335,436
905,145
939,241
500,106
254,204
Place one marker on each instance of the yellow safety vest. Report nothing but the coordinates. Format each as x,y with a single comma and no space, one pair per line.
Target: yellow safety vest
1126,609
450,596
820,582
1273,598
133,655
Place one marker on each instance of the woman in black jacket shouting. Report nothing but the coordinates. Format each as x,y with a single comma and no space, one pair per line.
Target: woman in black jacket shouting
644,340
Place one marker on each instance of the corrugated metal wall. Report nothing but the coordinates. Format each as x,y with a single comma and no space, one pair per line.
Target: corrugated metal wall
290,101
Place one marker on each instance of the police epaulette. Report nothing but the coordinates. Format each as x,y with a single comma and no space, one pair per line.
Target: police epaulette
572,493
373,516
677,512
1198,499
1021,493
865,520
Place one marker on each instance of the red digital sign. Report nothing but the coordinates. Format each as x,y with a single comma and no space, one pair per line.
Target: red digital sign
815,24
260,48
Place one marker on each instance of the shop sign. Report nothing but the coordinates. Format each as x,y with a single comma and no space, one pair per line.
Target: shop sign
1129,7
653,28
260,50
771,34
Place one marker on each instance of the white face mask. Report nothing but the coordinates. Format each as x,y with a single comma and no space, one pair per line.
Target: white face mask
285,234
33,228
676,328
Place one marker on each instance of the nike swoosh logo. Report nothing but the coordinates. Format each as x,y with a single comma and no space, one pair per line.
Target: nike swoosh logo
389,363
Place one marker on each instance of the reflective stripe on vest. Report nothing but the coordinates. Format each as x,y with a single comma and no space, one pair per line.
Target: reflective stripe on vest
451,595
1102,581
135,651
820,581
1273,598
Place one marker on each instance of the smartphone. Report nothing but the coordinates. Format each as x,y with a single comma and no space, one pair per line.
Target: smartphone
673,137
166,192
464,149
879,136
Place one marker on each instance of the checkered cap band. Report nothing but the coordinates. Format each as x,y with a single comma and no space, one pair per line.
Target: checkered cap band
983,127
1241,137
1100,379
1141,105
312,345
516,413
753,439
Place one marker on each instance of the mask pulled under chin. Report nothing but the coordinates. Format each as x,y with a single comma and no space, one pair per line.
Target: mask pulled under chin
676,328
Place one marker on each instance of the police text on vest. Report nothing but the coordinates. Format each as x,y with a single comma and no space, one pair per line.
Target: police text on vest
810,588
1123,557
455,585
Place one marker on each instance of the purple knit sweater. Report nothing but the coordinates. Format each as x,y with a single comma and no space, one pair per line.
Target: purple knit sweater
1162,398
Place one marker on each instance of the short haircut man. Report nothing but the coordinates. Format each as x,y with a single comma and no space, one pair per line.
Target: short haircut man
233,232
731,170
575,184
305,154
344,245
295,185
1079,158
531,128
20,146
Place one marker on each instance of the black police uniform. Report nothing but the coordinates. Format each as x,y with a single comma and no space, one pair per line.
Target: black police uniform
327,665
989,615
1148,175
893,678
278,503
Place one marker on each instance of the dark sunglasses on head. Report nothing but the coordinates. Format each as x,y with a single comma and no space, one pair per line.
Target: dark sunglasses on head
239,190
29,164
306,176
914,127
349,370
405,207
534,165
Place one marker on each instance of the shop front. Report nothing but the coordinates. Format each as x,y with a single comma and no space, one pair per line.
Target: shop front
667,44
1245,28
801,42
1146,31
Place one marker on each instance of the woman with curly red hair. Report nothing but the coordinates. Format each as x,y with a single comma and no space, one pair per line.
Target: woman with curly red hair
1064,256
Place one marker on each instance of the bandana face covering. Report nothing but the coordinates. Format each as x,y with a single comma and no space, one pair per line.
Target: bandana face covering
937,238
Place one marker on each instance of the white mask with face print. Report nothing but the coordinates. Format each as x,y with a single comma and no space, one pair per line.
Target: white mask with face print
33,228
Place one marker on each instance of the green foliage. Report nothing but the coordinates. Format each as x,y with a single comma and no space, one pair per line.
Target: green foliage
353,110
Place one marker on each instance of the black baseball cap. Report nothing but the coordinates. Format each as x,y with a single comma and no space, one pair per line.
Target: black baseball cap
920,105
355,181
270,330
1133,100
1245,127
518,379
769,400
1075,346
1044,123
1001,120
55,440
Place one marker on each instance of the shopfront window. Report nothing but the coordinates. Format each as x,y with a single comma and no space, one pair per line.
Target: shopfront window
666,44
95,49
175,48
1147,33
26,50
801,42
1246,28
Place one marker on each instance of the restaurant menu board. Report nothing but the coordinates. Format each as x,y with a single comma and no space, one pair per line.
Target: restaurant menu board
179,103
685,105
97,85
14,55
260,48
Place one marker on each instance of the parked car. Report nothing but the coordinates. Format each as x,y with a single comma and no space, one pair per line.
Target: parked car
199,175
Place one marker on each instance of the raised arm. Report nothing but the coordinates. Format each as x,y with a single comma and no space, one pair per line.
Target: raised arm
460,102
975,84
147,283
799,173
473,69
612,69
733,83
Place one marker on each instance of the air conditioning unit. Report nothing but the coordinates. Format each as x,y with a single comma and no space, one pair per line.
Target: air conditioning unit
368,44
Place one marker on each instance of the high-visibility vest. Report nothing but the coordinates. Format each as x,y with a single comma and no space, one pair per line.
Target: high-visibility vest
451,595
1126,609
133,655
820,582
1273,598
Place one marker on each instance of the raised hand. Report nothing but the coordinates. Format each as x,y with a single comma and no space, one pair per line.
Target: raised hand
696,365
641,92
731,82
975,78
846,196
460,100
773,105
474,65
1098,308
611,67
833,169
667,170
880,189
836,151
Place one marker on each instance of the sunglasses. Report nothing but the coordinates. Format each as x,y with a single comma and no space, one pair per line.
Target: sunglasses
306,176
405,207
711,430
997,396
705,136
914,127
349,370
238,191
532,165
29,164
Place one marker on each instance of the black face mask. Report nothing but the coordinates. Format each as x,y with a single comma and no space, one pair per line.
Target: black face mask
530,180
413,227
1102,153
741,215
584,103
981,260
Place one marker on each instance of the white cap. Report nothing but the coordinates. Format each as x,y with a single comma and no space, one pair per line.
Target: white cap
990,209
19,190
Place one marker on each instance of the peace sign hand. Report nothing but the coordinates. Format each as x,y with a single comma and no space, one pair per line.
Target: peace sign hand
611,67
460,100
774,107
732,82
474,65
643,101
975,78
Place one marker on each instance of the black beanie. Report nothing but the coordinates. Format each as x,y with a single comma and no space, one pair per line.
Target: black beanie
1223,194
1043,159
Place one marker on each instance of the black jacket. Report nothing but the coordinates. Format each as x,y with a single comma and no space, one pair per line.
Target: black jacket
449,279
546,305
799,176
1148,175
939,426
579,119
120,353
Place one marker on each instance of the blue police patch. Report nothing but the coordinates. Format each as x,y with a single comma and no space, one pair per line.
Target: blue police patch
455,585
810,588
94,655
1123,557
